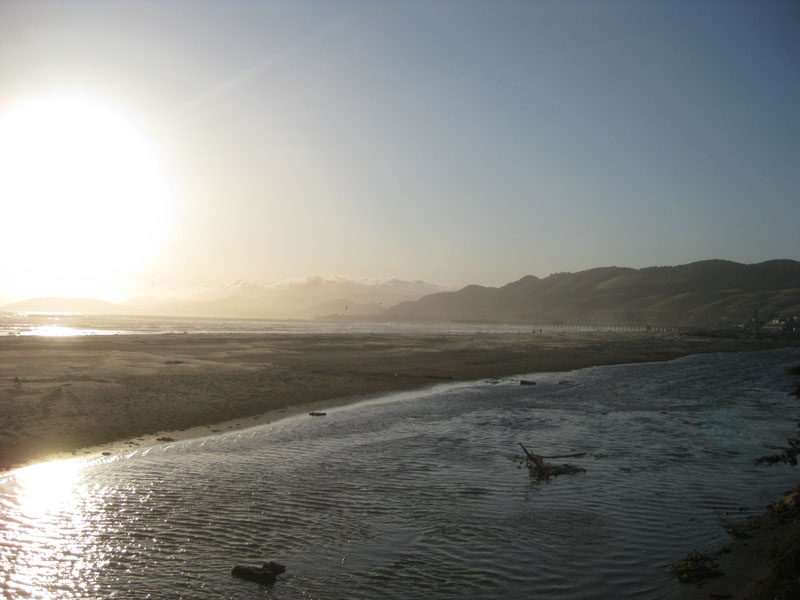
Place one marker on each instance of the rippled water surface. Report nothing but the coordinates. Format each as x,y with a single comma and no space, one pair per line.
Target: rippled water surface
417,495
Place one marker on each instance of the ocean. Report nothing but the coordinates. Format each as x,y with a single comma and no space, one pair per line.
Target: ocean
71,324
421,494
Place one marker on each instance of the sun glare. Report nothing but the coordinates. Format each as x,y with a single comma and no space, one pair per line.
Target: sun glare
85,195
47,486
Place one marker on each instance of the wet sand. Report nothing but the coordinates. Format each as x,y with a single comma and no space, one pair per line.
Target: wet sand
61,395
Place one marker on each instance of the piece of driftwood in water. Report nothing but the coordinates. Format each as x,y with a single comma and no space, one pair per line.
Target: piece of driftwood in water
543,470
576,455
315,413
570,383
265,575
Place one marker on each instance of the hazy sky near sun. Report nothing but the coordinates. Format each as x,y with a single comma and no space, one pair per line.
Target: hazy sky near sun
471,141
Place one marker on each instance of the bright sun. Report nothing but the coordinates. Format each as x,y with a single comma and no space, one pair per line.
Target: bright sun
85,198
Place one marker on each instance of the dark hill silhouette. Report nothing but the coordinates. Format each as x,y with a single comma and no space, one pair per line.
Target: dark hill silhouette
699,293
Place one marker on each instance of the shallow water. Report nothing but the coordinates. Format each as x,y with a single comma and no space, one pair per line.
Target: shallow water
417,495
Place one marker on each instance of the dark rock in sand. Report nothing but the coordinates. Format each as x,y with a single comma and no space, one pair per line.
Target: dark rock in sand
265,575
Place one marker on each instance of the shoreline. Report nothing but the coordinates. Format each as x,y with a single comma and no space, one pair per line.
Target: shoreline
759,562
761,558
234,425
64,397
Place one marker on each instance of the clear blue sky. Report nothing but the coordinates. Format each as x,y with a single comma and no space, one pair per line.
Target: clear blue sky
473,141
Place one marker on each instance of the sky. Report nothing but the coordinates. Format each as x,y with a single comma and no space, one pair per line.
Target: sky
192,143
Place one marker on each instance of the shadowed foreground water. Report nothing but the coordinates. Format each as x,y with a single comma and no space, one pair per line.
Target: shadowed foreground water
417,495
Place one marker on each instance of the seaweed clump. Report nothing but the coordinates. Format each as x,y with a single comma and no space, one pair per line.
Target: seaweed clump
696,568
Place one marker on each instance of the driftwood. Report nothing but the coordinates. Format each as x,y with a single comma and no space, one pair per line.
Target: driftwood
544,470
576,455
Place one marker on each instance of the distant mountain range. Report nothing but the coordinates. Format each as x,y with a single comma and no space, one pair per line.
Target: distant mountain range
307,298
700,293
68,305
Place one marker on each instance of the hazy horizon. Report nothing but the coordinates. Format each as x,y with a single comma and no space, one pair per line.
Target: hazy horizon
316,289
190,145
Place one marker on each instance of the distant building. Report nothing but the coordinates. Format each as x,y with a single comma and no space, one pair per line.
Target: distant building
776,324
782,324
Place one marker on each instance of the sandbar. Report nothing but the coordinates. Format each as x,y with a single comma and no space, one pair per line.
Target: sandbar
78,394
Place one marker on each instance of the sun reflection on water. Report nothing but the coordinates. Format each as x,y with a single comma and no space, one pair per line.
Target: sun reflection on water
61,331
45,487
48,549
54,331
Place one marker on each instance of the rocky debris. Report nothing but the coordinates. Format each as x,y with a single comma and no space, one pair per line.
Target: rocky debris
265,575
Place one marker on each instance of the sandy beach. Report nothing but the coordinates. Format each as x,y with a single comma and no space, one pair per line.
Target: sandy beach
72,395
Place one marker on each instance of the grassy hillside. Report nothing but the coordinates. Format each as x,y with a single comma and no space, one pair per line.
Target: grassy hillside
700,293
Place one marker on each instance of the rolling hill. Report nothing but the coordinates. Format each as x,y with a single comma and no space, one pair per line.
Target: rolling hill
700,293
